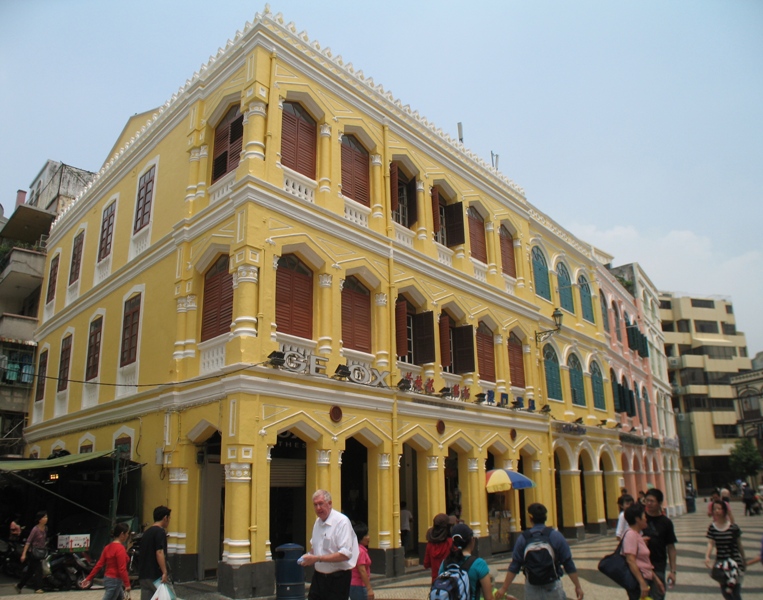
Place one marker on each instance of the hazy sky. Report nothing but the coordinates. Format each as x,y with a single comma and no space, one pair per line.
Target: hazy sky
637,125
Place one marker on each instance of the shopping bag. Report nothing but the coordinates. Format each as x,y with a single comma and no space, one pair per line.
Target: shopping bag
615,566
163,591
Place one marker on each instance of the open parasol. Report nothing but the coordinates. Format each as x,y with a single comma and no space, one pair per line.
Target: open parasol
501,480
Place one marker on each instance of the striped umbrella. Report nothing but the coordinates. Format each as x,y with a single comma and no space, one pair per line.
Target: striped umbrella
501,480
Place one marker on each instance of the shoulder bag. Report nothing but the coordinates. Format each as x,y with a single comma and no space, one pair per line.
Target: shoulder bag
39,553
615,566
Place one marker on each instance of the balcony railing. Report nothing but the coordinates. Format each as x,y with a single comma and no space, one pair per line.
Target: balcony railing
298,185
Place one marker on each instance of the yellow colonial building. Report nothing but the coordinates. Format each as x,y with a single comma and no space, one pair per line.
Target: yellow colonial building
284,279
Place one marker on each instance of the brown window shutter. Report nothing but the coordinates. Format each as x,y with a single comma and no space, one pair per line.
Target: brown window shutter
362,178
508,264
348,168
53,279
356,318
454,220
236,143
220,158
435,210
445,358
394,200
486,356
477,238
94,349
463,349
307,139
303,306
107,231
413,206
289,140
217,309
284,283
516,362
348,319
42,372
423,326
401,327
294,297
226,302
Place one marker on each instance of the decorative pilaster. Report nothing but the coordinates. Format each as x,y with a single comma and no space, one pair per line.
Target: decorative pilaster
324,156
501,354
473,510
245,280
422,210
238,489
253,154
325,313
201,184
385,513
381,328
193,180
490,238
377,191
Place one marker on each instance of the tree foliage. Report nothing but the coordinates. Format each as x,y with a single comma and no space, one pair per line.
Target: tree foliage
745,460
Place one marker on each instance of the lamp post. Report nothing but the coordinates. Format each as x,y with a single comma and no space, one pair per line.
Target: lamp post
543,334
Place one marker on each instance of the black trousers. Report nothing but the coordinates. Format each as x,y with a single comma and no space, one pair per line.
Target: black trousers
333,586
33,569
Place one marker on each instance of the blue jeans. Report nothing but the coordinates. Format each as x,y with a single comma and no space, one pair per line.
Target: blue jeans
112,588
552,591
358,592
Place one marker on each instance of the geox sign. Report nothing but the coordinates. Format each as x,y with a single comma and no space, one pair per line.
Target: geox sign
310,364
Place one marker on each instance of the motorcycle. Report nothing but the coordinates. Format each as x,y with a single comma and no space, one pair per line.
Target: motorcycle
133,558
10,557
65,570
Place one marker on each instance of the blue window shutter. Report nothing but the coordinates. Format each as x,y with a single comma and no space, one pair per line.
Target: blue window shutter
551,369
586,305
540,274
565,288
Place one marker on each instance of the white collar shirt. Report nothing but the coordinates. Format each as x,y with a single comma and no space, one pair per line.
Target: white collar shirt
335,534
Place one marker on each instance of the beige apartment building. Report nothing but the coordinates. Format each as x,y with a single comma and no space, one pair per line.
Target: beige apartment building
704,351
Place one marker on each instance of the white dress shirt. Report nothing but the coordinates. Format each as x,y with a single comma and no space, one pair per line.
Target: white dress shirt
335,534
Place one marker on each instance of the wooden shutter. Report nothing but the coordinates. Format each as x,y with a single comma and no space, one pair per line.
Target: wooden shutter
477,238
348,168
220,158
236,143
413,205
445,358
393,195
486,355
63,365
356,316
516,362
53,279
307,139
401,327
42,372
217,309
94,349
423,341
362,182
130,324
454,223
229,137
508,264
145,196
294,297
463,349
289,139
435,210
107,231
76,257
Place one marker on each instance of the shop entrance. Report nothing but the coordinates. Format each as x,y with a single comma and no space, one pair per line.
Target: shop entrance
288,491
211,507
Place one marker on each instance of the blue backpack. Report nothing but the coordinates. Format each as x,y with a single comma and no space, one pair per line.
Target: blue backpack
539,559
453,582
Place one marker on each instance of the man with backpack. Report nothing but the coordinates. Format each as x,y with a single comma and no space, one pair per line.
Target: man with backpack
540,553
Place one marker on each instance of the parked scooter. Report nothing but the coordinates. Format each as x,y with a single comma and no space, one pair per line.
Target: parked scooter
133,558
10,557
65,570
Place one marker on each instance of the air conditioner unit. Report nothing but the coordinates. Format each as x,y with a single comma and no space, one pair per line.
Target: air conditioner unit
674,361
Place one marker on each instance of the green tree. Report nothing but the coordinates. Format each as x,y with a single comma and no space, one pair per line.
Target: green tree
745,459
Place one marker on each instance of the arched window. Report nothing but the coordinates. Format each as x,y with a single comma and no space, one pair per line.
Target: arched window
576,380
616,392
647,407
414,333
229,137
356,315
604,312
217,303
298,139
540,274
402,196
477,235
565,288
551,369
586,304
628,402
355,171
294,297
508,264
516,361
597,382
485,352
616,324
447,220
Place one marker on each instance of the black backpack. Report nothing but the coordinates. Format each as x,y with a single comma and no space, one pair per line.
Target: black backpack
539,559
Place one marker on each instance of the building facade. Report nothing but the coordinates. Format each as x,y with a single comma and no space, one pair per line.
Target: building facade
285,280
749,406
704,350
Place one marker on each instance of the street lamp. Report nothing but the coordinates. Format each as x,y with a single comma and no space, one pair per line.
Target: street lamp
546,333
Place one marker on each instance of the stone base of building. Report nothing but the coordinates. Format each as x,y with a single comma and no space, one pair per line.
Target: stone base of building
252,580
574,533
389,562
596,528
184,567
612,523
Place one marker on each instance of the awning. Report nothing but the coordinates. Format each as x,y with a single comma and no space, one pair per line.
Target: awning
51,463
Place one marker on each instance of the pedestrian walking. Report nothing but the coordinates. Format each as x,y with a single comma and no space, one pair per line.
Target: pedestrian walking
153,553
438,544
729,565
334,551
360,583
637,554
34,552
562,557
114,560
406,523
662,541
478,572
748,497
623,502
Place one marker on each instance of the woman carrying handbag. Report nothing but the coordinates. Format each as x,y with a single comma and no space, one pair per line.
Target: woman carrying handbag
636,554
34,552
729,564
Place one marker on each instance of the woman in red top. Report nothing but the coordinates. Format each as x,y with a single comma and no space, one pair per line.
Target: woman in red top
114,558
438,544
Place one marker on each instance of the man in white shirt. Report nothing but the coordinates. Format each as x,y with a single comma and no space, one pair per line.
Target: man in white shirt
406,520
334,551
